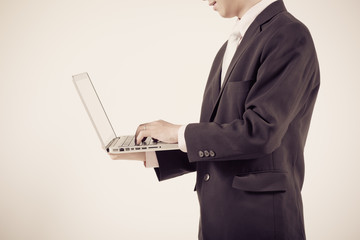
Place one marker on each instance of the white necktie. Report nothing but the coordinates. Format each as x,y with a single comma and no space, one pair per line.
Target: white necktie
231,47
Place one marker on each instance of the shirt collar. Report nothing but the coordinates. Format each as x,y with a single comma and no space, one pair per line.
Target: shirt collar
244,23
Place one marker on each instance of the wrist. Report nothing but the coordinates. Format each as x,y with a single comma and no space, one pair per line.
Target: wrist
181,138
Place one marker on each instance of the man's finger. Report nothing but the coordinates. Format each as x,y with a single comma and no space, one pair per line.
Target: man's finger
138,130
142,136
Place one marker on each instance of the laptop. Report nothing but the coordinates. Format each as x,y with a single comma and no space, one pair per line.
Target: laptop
105,131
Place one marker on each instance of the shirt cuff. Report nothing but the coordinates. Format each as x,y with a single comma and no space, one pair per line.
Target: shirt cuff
151,160
181,138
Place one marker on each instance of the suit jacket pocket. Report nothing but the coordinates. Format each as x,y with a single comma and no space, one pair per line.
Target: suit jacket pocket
261,182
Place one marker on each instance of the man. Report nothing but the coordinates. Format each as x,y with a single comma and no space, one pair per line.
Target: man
248,148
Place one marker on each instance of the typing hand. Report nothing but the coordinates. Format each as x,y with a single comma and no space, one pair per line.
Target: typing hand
159,130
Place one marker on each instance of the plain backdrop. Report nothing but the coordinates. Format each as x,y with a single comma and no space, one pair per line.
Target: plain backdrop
149,60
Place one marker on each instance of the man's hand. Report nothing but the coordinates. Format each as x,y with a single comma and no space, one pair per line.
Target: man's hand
159,130
140,156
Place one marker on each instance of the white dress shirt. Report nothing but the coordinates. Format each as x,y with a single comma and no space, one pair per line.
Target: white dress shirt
241,26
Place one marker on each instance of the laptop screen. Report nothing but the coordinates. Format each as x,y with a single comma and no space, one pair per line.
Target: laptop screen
94,108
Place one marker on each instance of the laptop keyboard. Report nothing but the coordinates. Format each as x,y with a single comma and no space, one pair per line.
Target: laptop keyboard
129,141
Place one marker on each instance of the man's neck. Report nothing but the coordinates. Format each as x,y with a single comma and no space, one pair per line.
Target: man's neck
249,4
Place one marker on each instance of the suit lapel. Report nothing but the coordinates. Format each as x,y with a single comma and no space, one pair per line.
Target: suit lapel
250,35
248,38
212,90
217,80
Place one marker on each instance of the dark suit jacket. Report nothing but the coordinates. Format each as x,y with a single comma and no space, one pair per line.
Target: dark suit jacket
248,148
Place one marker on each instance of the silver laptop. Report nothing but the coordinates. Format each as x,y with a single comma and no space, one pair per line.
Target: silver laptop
110,142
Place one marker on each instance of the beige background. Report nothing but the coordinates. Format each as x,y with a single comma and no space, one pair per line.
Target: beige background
55,180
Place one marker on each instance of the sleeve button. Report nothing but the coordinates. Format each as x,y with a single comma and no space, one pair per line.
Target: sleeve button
201,154
212,153
206,153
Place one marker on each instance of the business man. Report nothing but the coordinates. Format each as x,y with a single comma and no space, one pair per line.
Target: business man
248,149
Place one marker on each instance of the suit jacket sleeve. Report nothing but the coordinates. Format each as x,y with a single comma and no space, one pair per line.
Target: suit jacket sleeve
173,164
287,77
